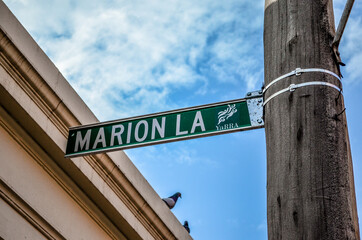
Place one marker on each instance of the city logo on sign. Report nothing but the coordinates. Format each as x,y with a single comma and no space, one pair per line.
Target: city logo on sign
225,115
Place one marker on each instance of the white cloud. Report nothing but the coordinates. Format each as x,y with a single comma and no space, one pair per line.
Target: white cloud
122,54
233,222
263,226
351,51
170,155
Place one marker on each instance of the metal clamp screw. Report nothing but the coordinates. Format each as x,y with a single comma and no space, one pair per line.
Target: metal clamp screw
298,71
292,87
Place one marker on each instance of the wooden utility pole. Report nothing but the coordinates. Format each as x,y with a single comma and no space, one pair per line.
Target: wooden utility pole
310,183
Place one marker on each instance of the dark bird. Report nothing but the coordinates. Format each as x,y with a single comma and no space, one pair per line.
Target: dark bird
186,226
171,201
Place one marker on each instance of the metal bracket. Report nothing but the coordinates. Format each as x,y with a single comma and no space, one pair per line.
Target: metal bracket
254,101
254,94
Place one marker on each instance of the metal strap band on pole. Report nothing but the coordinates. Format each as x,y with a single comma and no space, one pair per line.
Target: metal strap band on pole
299,71
293,87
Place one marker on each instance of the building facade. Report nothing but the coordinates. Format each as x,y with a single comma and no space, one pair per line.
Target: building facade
44,195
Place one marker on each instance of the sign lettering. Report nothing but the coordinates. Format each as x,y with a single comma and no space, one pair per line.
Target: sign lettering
164,127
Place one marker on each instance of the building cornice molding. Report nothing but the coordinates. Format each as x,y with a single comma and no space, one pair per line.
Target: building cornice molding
36,153
122,178
27,212
54,109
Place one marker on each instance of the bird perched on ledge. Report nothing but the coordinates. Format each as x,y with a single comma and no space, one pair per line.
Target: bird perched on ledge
171,201
186,226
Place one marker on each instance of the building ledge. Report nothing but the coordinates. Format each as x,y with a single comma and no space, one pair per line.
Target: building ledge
44,104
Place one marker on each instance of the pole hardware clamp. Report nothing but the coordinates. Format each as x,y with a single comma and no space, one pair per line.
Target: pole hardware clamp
292,87
298,72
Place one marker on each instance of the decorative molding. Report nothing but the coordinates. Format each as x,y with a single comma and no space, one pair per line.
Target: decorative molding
36,153
34,86
27,212
141,210
23,73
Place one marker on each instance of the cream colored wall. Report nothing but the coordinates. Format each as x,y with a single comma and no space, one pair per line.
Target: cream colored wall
21,172
90,197
13,226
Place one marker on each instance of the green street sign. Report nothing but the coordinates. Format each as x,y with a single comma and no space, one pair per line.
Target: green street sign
176,125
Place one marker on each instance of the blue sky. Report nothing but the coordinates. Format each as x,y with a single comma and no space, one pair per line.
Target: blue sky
129,58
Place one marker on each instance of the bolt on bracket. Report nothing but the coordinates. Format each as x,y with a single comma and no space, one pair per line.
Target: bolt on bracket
254,101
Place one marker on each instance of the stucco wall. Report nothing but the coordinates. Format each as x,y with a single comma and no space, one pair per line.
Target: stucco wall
102,196
22,172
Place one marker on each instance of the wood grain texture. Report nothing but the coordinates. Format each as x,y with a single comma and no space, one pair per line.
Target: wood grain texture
310,184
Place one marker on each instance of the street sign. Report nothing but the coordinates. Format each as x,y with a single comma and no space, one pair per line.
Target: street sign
176,125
